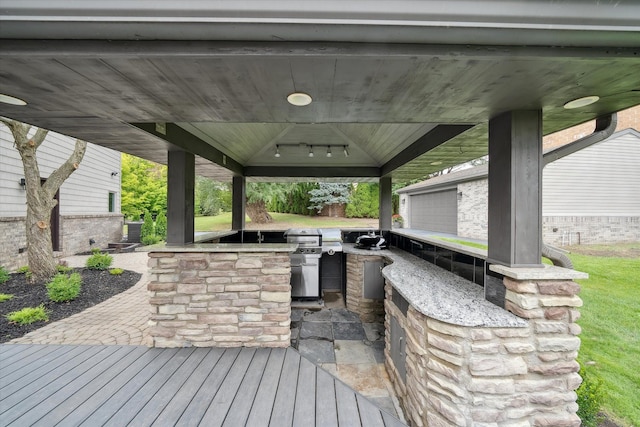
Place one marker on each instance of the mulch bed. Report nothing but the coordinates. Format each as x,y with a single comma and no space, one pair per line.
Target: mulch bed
97,286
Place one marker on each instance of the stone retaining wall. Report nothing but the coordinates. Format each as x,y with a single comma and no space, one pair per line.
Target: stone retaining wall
464,376
220,299
367,309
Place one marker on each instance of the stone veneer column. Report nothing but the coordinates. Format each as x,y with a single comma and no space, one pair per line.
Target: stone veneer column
367,309
513,376
220,299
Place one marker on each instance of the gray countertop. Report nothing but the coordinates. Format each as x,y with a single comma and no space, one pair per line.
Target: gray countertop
438,293
224,247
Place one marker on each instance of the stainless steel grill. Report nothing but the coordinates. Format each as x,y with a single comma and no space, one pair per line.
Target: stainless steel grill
305,262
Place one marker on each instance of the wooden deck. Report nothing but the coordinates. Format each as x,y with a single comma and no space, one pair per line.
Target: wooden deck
130,385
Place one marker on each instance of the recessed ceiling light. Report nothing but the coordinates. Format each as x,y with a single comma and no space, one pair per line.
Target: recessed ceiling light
299,99
436,163
581,102
8,99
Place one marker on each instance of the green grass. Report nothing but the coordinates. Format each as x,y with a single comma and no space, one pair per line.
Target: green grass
283,221
5,297
464,242
611,330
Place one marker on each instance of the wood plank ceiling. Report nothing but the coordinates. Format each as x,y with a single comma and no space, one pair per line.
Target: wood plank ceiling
375,100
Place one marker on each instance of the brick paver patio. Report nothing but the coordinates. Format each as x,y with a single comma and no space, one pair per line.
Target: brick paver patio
122,319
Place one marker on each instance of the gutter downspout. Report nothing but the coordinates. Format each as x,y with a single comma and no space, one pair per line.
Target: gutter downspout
605,127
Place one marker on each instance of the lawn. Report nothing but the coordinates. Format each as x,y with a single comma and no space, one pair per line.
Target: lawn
611,326
283,222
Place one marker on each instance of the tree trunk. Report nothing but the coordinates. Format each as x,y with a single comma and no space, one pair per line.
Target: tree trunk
40,197
257,211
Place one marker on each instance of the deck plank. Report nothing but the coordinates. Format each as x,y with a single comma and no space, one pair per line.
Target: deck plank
370,414
33,393
282,412
67,392
326,409
221,403
165,393
175,408
8,358
134,385
241,406
348,414
118,381
200,402
304,412
260,414
35,367
130,409
88,396
129,389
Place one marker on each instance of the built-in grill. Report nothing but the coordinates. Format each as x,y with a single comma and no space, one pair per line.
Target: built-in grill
305,262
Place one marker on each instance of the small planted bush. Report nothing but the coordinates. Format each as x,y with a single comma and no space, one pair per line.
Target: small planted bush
4,274
25,270
64,287
28,315
150,240
5,297
116,271
63,269
161,226
590,396
99,261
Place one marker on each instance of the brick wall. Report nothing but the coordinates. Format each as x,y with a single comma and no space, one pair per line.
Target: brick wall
220,299
12,240
367,309
460,376
629,118
473,209
570,230
75,232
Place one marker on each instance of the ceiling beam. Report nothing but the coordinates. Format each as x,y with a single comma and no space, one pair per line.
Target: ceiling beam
430,140
186,141
312,172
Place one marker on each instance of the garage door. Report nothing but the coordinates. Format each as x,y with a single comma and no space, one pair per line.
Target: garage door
435,211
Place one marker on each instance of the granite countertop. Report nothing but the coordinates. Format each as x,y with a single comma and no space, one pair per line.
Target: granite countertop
223,247
438,293
211,235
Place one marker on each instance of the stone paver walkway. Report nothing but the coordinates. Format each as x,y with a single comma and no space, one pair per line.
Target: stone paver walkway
122,319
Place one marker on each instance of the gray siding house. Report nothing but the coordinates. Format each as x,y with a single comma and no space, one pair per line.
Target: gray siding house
591,196
88,201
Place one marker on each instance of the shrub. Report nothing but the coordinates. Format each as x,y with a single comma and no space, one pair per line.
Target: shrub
150,240
4,274
161,226
63,269
590,397
26,271
99,261
116,271
147,228
28,315
64,288
5,297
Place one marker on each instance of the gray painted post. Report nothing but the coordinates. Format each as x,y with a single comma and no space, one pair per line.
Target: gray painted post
238,202
515,189
180,198
386,207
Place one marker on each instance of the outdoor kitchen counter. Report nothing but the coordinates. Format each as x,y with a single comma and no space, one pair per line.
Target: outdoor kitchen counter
224,247
438,293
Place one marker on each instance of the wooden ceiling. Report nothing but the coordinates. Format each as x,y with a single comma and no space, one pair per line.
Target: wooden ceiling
401,110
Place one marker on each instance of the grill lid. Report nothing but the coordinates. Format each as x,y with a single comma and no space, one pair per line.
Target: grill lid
304,236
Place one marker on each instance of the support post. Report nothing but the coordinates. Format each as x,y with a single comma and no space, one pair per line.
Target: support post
180,198
515,189
386,206
238,202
